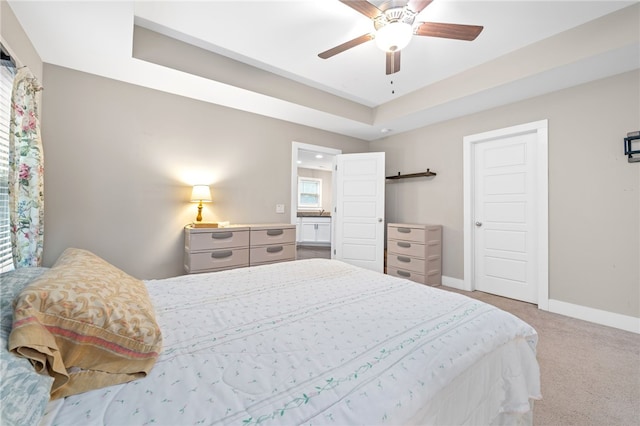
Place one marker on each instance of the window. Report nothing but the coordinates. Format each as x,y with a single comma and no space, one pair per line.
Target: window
6,83
309,193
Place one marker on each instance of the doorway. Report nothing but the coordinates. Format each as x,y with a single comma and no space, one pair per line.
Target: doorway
314,162
356,209
506,212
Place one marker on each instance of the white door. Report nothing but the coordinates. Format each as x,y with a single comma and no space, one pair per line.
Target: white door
359,210
508,213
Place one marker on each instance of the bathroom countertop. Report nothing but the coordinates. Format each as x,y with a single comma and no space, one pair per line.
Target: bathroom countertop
314,214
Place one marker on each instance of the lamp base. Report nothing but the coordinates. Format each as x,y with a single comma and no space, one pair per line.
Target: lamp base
204,225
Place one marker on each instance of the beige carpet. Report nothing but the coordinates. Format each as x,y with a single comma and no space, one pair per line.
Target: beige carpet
590,373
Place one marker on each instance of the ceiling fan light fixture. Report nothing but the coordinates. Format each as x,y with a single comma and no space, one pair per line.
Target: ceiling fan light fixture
394,36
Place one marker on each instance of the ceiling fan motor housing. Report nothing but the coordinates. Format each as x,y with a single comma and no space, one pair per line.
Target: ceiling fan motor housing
395,14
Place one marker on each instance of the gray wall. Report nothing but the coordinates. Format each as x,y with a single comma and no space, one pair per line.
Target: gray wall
120,161
594,193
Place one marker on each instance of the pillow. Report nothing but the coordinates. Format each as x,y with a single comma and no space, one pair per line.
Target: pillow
87,324
23,392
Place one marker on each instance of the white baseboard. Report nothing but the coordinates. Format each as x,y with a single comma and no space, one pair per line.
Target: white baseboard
453,282
598,316
610,319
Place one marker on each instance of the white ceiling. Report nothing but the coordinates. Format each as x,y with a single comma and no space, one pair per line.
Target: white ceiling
284,38
314,160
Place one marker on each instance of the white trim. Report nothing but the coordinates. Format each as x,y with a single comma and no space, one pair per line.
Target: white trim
542,214
453,282
542,203
598,316
467,215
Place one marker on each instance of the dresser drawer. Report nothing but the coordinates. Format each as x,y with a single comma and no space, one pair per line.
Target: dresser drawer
226,238
410,275
261,237
216,260
272,253
406,233
406,248
431,279
405,262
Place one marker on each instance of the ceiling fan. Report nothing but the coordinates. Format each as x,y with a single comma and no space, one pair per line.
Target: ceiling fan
394,26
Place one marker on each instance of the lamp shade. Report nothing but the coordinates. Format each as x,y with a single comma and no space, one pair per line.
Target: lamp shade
394,36
201,194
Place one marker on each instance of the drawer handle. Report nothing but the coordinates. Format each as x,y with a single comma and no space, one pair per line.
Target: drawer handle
274,232
221,235
404,230
403,244
404,259
221,254
274,249
403,273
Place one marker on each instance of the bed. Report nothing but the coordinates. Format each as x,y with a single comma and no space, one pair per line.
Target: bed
309,342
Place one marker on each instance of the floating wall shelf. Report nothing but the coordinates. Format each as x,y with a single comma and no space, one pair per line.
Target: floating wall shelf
412,175
628,147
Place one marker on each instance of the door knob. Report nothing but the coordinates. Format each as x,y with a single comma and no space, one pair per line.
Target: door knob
379,219
478,224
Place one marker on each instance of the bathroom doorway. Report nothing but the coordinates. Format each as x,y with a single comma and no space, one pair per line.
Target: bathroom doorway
312,165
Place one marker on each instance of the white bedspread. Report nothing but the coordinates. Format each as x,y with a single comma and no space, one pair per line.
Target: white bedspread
311,342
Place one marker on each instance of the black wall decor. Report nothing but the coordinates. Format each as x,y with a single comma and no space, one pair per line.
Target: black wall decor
628,146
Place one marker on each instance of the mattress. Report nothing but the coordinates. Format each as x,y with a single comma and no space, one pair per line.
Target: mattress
315,342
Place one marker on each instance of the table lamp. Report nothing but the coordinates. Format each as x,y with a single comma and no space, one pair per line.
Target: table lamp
200,194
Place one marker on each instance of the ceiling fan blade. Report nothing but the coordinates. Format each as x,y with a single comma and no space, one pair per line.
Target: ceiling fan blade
345,46
393,62
364,7
455,31
417,5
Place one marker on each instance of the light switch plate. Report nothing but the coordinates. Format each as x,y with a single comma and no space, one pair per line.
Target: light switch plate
279,208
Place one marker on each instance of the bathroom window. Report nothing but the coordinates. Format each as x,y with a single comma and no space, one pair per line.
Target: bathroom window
309,193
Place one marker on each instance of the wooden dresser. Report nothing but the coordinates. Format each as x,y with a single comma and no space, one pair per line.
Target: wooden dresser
415,252
237,246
